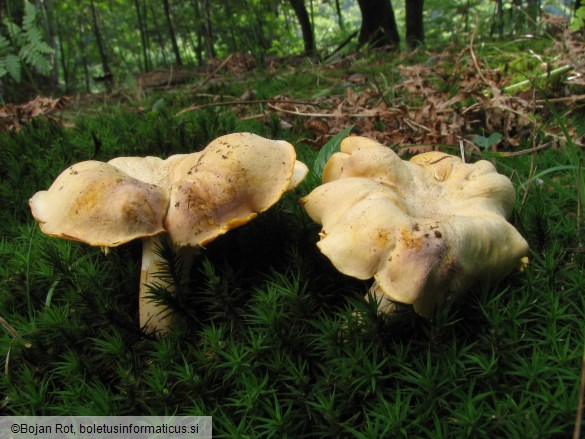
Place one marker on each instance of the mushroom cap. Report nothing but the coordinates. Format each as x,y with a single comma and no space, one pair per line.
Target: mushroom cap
233,179
194,197
101,205
426,229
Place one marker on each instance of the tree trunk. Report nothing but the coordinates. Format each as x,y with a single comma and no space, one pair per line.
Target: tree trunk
466,10
415,34
63,57
82,48
209,44
142,30
498,21
198,29
107,78
178,60
14,11
516,17
159,36
378,27
339,15
146,33
46,8
306,28
533,9
260,40
232,41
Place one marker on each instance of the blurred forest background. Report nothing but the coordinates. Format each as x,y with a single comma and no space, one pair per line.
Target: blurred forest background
84,46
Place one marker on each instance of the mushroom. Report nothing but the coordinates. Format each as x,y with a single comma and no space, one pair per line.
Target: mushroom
426,229
191,198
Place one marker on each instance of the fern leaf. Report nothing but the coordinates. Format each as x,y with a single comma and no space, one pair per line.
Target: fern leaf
4,46
34,35
29,43
30,15
12,66
14,31
34,58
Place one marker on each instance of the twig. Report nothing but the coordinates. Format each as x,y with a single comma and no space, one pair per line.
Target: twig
170,76
342,45
366,113
529,185
253,116
552,74
566,99
380,92
239,102
511,110
217,69
474,58
462,149
207,78
524,151
471,107
412,123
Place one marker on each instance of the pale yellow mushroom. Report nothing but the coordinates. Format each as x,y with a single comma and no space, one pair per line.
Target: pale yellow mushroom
426,229
191,198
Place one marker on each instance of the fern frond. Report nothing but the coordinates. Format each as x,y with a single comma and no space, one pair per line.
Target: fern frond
34,35
30,54
29,43
10,64
14,30
5,47
30,15
32,30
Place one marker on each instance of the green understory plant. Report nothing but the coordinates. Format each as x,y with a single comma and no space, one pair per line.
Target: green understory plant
270,339
24,47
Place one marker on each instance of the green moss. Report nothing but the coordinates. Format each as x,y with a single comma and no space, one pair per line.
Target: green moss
270,339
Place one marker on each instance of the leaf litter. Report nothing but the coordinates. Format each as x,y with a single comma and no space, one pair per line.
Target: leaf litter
428,114
453,97
13,117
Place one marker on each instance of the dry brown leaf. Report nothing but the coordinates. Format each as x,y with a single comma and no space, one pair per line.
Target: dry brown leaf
317,126
12,117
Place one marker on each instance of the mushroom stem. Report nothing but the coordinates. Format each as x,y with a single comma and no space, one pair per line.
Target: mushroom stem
385,305
155,318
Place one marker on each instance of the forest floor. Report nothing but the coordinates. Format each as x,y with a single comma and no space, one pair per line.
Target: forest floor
269,338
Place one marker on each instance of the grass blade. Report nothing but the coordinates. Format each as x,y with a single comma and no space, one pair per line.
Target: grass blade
328,149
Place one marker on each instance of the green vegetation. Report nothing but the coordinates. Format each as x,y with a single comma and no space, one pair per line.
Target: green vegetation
270,339
28,42
62,44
